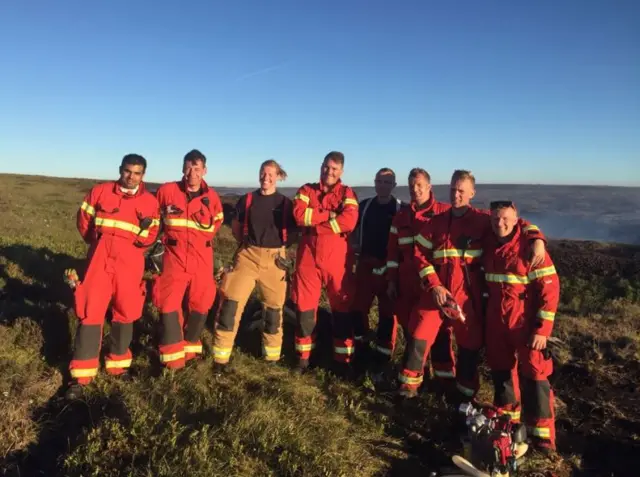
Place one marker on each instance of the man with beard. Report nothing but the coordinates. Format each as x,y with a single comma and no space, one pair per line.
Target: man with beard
326,212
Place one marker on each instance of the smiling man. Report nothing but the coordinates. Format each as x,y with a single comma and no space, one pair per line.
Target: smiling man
191,217
326,212
521,308
117,219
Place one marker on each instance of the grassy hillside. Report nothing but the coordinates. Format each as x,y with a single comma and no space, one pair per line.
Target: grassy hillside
260,419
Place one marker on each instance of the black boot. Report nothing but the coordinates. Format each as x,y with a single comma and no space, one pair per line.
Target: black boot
74,392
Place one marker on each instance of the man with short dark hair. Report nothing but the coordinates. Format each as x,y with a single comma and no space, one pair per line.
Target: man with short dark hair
326,212
369,241
521,307
191,217
118,220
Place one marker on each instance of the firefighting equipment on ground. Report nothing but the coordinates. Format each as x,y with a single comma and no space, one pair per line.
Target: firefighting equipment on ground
190,222
324,258
402,271
448,253
522,302
117,226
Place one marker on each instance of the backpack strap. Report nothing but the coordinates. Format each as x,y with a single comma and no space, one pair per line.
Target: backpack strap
362,217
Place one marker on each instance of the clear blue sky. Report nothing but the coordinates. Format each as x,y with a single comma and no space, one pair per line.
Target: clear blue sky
526,92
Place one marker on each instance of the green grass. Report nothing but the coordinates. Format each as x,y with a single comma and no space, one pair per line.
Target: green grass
261,419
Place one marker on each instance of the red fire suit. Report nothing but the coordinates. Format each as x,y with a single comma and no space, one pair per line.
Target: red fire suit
448,252
190,222
521,303
117,226
323,258
401,268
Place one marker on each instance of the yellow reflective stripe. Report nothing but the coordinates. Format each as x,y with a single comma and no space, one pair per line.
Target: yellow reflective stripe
193,348
335,226
529,228
543,432
423,241
84,373
221,351
379,271
272,351
88,208
302,197
409,380
350,202
454,252
392,264
465,390
166,358
121,225
186,223
405,240
383,350
305,347
427,271
308,214
546,315
542,272
515,415
506,278
120,363
444,374
393,229
344,349
219,216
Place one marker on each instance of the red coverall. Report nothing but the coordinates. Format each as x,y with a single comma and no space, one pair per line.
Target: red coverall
189,225
401,268
448,252
323,258
118,227
521,303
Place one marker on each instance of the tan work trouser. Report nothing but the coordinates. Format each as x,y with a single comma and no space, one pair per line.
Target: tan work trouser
253,265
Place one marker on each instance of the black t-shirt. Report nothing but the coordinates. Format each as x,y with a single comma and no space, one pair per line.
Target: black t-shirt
377,222
266,214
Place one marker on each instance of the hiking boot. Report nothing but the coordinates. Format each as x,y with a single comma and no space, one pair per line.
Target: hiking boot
544,447
220,369
407,393
302,366
74,392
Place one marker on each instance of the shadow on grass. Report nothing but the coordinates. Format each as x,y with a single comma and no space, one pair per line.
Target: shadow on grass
42,297
64,428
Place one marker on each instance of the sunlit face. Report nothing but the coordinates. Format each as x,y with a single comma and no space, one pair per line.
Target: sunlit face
268,177
131,175
331,172
385,183
461,193
419,189
503,221
193,172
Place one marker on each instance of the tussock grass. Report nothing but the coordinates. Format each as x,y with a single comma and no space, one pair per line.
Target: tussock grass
261,419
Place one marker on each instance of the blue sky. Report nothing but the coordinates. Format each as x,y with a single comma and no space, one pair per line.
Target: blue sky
525,92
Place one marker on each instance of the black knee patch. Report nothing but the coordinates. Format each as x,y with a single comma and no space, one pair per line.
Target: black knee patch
87,345
120,337
503,386
227,318
385,328
416,355
195,325
272,321
171,329
306,323
536,398
342,325
358,320
467,366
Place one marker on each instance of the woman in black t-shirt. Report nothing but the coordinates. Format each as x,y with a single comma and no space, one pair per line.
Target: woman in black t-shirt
263,227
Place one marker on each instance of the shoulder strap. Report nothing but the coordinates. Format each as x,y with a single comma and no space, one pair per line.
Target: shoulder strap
285,218
245,225
362,216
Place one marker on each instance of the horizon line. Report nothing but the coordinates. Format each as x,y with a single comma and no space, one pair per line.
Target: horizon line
283,186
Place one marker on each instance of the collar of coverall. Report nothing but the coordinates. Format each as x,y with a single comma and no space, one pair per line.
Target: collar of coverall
118,189
326,188
428,205
511,239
